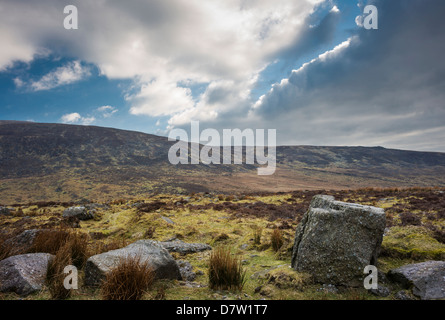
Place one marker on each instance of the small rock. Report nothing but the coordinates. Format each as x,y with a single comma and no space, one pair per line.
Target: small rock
81,212
381,291
328,288
403,295
168,220
199,273
186,270
5,211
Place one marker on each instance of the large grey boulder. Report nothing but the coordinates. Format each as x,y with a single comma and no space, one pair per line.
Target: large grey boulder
80,212
165,267
24,274
336,240
427,279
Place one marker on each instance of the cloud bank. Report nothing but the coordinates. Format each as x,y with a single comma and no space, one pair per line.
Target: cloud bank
200,60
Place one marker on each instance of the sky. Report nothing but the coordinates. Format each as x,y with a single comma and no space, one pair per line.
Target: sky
307,68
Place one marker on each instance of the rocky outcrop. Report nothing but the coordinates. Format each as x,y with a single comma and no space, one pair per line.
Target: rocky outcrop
165,267
427,279
24,274
336,240
80,212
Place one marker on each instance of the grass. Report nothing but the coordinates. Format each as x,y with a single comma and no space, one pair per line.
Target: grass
237,225
257,232
225,271
276,239
129,280
55,275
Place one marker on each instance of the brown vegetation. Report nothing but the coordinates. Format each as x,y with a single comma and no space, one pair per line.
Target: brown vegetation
225,271
128,281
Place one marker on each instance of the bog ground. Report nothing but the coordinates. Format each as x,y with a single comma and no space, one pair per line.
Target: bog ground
415,232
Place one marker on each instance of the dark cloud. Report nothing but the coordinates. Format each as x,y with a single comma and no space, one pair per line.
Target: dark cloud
386,87
311,37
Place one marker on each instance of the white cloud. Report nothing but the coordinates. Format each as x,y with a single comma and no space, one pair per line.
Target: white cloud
18,82
160,98
162,44
88,120
75,117
107,111
335,9
70,73
71,118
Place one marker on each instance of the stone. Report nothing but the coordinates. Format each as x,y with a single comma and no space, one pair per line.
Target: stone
427,279
165,267
183,247
24,274
336,240
381,291
81,212
186,270
22,242
168,220
328,288
403,295
5,211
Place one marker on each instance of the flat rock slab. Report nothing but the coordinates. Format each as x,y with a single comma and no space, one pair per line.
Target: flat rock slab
24,274
427,279
336,240
165,267
80,212
183,247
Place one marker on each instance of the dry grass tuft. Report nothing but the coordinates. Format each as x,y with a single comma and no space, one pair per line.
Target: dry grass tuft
55,275
50,241
276,239
128,281
257,231
225,272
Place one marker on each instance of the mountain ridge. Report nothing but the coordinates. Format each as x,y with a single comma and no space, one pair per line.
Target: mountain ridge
41,161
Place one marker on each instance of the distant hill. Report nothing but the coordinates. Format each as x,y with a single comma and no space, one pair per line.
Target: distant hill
60,162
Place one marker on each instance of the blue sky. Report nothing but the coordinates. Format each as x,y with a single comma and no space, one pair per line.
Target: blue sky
305,68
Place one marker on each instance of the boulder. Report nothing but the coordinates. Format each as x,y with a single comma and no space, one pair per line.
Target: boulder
24,274
336,240
427,279
22,242
80,212
165,267
183,247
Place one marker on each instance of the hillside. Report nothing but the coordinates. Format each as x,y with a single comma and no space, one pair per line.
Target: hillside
61,162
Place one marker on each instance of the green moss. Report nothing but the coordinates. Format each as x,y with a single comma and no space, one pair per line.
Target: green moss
412,242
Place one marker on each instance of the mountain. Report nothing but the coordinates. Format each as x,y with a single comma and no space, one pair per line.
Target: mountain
60,162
